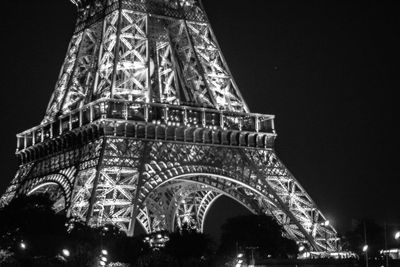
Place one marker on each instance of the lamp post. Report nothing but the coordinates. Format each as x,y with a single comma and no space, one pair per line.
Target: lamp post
365,249
386,248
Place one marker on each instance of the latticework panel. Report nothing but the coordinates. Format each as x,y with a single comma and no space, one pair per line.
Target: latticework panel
165,185
145,51
125,157
132,181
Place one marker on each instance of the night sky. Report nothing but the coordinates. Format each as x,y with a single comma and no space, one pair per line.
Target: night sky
327,69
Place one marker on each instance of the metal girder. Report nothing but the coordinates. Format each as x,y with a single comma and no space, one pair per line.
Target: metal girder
150,51
147,124
254,177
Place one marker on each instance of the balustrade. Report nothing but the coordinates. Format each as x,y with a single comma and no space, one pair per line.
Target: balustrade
148,114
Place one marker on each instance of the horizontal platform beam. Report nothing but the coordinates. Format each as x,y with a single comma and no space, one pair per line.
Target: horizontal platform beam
168,122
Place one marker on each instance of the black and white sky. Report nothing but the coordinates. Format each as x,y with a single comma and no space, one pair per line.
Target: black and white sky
328,70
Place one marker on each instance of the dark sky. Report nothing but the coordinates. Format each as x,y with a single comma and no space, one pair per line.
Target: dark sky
327,69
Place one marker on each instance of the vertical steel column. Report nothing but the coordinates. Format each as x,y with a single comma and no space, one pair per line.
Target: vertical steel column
148,74
96,181
116,48
140,182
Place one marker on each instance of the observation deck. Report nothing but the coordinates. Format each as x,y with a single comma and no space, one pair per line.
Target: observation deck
154,121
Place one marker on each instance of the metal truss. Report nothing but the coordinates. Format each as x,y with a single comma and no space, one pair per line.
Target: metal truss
179,203
145,51
166,184
146,125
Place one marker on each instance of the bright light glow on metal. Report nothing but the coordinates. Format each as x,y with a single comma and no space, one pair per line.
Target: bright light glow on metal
66,252
365,248
325,223
179,89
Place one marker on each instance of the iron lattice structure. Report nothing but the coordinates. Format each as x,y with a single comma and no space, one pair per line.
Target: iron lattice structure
147,124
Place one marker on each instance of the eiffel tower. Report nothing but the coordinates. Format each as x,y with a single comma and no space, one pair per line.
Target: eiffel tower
147,126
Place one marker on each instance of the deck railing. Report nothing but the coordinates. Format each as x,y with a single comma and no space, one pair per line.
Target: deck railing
146,113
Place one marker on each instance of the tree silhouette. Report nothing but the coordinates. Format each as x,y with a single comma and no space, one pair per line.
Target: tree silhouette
189,247
32,221
256,231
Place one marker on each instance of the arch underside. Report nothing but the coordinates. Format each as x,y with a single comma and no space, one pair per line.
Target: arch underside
164,185
54,191
134,177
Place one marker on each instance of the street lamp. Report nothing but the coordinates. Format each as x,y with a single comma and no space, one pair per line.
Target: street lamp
365,249
66,252
22,245
397,235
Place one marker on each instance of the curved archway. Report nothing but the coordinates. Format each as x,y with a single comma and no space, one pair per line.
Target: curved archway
54,191
186,200
53,184
268,202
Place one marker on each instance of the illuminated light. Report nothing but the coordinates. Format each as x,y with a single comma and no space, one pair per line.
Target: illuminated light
240,255
66,252
102,263
104,252
22,245
238,265
365,248
159,236
397,235
301,248
103,258
214,81
325,223
240,261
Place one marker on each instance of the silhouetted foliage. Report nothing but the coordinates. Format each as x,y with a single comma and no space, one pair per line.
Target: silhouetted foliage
32,220
189,247
258,231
